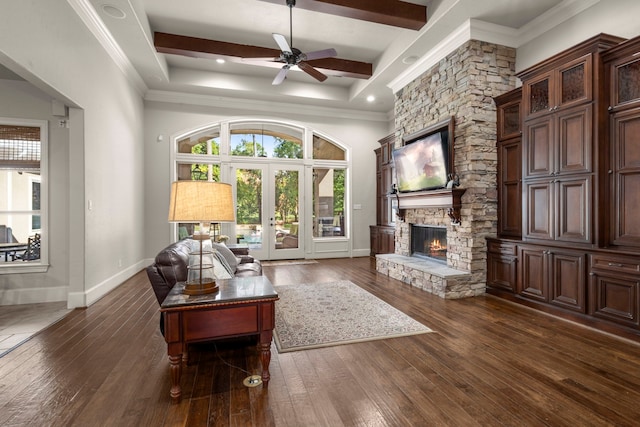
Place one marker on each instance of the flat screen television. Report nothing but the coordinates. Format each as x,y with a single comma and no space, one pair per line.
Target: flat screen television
424,162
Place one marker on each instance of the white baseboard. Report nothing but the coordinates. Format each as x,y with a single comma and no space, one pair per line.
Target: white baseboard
356,253
33,295
89,296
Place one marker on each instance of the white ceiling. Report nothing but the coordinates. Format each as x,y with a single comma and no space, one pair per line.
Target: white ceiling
253,21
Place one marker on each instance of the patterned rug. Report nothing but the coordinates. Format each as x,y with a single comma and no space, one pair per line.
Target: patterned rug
326,314
289,262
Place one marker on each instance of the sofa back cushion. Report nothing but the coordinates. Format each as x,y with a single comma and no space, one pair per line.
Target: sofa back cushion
173,260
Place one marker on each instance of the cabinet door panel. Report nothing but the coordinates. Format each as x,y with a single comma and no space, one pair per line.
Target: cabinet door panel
574,213
574,140
627,210
510,189
615,298
568,281
574,82
625,76
533,277
538,148
539,210
538,94
501,272
625,207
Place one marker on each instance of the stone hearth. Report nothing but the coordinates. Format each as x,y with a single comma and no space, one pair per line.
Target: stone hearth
430,276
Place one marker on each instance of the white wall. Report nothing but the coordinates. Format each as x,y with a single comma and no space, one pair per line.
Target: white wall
19,99
61,56
615,17
167,119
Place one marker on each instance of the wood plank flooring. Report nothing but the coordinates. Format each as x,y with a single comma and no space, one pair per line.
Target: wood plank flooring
489,363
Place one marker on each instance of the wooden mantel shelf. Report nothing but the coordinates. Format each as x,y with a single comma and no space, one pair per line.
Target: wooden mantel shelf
450,198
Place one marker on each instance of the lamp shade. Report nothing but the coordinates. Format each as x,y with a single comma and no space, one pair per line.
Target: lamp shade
201,201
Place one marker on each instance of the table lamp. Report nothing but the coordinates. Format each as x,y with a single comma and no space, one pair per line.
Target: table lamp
201,202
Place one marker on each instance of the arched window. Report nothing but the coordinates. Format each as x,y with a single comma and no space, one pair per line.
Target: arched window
247,153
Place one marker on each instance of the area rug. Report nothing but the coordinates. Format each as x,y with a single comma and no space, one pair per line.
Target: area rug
325,314
289,262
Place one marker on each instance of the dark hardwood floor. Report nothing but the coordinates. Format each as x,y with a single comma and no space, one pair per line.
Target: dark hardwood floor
490,362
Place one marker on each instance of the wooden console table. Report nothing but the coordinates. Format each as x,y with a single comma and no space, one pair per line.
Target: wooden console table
242,306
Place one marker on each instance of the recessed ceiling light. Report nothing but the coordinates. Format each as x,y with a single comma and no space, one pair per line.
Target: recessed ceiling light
220,61
113,11
409,59
371,98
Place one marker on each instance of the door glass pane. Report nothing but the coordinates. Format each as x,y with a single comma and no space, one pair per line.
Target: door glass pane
328,202
249,207
286,209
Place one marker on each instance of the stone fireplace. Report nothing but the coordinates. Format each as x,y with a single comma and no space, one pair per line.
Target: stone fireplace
460,86
429,242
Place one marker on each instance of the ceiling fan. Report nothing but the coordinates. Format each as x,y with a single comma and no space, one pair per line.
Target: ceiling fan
291,56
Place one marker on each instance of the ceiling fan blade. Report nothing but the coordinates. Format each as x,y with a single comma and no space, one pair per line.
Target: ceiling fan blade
282,42
280,76
312,71
320,54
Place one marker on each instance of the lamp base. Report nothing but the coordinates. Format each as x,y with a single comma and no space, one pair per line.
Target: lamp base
198,288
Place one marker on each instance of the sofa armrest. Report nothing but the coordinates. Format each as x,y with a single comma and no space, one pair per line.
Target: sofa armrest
244,259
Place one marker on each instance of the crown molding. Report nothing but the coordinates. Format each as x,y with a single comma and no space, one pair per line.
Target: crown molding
457,37
92,21
552,18
227,103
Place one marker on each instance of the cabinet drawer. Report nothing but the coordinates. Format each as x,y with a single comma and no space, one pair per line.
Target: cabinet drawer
502,248
615,263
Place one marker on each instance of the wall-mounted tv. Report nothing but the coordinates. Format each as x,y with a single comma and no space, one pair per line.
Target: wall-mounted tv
425,161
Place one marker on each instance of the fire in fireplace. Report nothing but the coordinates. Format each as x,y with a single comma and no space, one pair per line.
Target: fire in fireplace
429,241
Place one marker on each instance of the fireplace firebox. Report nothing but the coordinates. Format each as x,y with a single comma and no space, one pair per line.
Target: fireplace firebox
429,241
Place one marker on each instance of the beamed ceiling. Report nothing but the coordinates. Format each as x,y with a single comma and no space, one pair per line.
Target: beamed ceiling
176,46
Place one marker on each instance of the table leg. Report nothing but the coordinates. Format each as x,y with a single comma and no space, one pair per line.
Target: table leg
175,369
265,355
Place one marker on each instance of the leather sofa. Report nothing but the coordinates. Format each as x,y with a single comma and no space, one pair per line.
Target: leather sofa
170,267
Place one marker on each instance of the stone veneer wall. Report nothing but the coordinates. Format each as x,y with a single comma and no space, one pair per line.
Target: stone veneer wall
463,86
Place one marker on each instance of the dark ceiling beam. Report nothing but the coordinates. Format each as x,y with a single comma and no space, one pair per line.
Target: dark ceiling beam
390,12
212,49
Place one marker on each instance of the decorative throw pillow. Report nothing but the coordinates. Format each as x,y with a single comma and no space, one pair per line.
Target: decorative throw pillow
232,261
219,270
224,263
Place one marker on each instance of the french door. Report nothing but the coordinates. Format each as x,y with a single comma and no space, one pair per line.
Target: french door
269,209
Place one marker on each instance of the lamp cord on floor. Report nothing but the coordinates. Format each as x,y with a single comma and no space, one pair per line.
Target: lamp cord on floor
229,364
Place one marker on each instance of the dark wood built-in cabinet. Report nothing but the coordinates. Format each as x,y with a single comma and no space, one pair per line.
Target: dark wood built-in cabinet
382,239
576,193
509,145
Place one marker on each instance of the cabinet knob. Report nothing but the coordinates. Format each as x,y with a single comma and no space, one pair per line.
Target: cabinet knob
592,274
610,171
610,108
